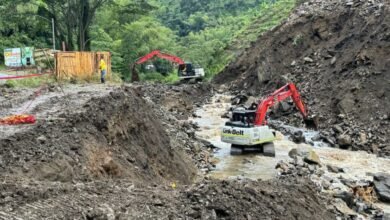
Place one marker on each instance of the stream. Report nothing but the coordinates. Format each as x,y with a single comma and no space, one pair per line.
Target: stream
358,165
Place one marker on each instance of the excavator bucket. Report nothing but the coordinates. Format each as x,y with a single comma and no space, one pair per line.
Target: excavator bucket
311,122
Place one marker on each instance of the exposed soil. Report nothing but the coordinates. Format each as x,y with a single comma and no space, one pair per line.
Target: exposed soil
130,152
115,134
121,200
337,54
101,152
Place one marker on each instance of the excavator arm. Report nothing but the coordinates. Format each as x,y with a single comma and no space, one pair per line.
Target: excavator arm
157,53
281,94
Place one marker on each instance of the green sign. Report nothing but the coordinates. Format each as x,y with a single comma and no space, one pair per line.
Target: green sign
28,56
17,57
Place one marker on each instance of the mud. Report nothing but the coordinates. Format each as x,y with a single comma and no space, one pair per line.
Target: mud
101,152
96,132
356,167
122,200
335,51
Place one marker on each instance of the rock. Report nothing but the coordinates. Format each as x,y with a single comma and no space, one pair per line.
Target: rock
347,197
382,186
344,140
284,107
298,161
363,137
239,99
338,129
335,169
312,158
250,101
298,137
308,60
293,63
308,154
42,139
360,207
282,166
333,61
343,208
326,184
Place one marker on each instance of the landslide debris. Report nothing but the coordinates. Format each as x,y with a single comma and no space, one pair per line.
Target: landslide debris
277,199
115,134
337,54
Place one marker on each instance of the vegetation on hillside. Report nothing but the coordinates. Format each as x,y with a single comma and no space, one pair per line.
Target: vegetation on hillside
207,33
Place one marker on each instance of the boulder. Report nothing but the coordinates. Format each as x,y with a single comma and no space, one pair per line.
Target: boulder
312,158
338,129
335,169
309,155
239,99
298,137
308,60
382,186
250,101
344,140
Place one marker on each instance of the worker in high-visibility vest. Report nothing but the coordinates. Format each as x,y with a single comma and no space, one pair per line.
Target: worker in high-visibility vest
103,69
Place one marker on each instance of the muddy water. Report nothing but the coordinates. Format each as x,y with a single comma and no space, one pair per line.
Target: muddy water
358,165
253,166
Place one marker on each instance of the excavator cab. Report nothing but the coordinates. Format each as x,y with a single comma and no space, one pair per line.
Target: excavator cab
186,70
242,117
189,71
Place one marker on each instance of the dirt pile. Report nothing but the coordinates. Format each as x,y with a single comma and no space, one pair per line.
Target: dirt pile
115,134
276,199
293,199
181,100
337,54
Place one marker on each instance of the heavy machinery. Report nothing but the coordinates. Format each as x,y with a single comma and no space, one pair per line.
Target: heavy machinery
247,128
186,70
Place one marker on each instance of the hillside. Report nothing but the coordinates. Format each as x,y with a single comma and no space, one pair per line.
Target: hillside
336,53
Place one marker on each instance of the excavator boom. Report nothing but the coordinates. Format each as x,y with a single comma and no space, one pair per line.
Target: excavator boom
248,128
281,94
157,53
186,70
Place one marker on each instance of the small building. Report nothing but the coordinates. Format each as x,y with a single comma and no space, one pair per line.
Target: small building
80,65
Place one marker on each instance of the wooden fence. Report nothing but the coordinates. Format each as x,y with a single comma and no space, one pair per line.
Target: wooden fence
80,65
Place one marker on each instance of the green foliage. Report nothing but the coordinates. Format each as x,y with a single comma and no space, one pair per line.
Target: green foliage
298,40
207,33
32,82
157,77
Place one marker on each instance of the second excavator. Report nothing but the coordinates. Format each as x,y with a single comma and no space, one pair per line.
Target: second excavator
186,71
248,127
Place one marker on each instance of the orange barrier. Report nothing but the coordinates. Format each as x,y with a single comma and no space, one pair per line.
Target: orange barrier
18,119
24,76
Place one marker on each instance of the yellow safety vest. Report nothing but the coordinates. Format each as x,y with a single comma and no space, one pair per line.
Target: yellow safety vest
102,65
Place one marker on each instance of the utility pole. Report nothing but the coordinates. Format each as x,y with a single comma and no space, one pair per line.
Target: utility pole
54,36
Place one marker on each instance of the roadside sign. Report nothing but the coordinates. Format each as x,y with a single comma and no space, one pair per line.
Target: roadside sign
28,56
13,57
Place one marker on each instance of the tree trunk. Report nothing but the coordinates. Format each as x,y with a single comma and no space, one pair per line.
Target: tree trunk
84,25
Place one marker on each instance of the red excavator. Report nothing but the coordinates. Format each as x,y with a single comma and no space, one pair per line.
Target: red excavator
248,127
186,71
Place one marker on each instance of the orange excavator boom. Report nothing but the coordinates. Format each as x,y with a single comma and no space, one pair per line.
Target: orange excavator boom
281,94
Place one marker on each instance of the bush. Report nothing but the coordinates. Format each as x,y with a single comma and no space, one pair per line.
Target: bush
32,82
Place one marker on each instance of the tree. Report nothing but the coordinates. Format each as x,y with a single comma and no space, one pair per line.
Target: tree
143,36
73,19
